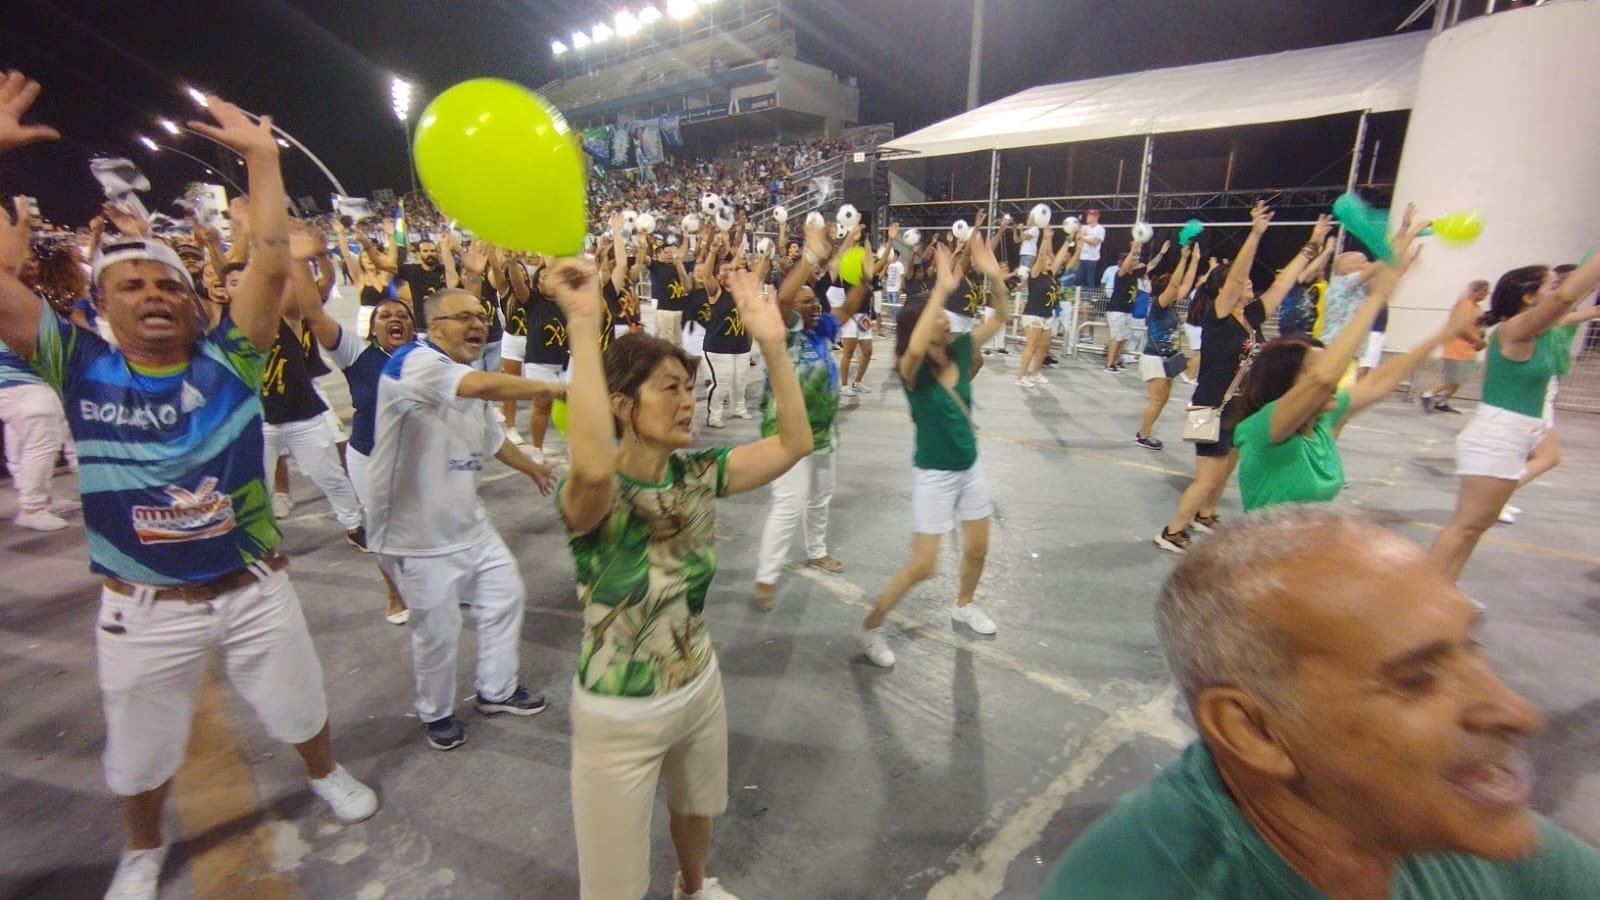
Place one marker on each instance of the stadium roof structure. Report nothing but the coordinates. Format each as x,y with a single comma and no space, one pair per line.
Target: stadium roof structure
1378,75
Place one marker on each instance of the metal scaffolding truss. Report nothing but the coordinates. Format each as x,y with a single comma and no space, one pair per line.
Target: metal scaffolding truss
1307,201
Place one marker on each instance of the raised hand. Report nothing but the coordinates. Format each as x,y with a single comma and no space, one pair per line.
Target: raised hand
1260,218
944,267
305,242
125,221
1165,246
577,288
235,129
817,242
1409,229
1320,231
17,93
983,260
758,313
476,259
894,231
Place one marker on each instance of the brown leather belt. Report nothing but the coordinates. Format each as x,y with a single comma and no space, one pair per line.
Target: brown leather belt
204,591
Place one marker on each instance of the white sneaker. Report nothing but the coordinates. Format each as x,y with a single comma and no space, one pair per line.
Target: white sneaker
64,507
847,391
1024,382
40,520
1509,513
515,437
1184,377
1039,379
877,649
860,388
138,875
710,889
350,800
716,423
974,617
744,414
282,505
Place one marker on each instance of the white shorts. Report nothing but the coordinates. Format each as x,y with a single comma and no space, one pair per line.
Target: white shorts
513,347
153,654
939,498
859,328
546,372
1152,368
1496,443
1374,352
1035,322
694,340
959,324
1120,324
1191,334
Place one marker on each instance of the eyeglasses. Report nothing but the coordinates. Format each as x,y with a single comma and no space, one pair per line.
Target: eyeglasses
463,317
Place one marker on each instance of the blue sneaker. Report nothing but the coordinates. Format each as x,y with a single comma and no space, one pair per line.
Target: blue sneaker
445,733
522,702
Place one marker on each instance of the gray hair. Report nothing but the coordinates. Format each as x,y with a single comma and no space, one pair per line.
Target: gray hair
1209,615
430,306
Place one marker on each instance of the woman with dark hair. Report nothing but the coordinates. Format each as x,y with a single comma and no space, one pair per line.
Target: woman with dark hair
1289,408
948,486
1531,309
639,510
1162,358
1230,319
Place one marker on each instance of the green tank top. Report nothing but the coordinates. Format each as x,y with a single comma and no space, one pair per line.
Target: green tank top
1521,386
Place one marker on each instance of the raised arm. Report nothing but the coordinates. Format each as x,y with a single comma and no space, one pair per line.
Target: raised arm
1161,254
1182,281
999,295
1310,272
1239,275
307,297
254,307
619,256
758,463
922,335
1290,275
592,479
1553,307
814,255
1130,259
1383,379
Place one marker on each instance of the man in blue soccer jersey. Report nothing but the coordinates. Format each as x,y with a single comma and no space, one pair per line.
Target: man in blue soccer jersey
168,424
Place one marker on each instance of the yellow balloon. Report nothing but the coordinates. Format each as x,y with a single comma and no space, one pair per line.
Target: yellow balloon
497,158
558,415
1459,227
850,265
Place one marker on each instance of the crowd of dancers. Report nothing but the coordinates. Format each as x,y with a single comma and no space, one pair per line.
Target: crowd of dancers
185,373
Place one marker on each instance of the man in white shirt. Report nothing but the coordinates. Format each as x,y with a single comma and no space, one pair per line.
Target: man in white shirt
1091,234
434,429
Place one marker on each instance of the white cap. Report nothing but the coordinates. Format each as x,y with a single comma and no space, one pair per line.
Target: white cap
120,249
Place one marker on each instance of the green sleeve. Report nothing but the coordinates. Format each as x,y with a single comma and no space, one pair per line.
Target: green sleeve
697,465
1565,867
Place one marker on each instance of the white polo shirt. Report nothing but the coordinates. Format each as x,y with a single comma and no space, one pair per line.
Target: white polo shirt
892,276
1091,252
1030,243
427,457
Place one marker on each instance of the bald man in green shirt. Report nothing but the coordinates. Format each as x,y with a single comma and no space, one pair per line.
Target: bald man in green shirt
1354,742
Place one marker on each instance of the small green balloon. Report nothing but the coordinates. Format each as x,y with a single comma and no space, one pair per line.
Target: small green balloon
497,158
1459,227
558,415
850,265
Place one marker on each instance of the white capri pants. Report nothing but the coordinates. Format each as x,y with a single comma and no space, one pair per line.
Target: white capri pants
152,654
311,442
621,746
35,432
730,377
939,498
513,347
669,326
359,465
807,488
484,575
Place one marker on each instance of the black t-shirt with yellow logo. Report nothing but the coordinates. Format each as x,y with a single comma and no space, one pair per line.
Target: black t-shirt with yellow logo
966,299
547,332
286,391
669,291
725,332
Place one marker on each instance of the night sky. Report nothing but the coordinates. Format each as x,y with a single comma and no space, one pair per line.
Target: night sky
322,67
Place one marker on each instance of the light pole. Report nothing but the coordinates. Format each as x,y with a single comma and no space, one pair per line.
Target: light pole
199,98
154,147
400,93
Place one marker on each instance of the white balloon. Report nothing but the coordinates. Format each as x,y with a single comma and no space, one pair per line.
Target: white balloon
1040,216
724,219
1022,272
1143,233
911,238
710,204
645,223
629,216
763,245
814,219
780,215
848,216
691,223
839,231
961,230
1070,225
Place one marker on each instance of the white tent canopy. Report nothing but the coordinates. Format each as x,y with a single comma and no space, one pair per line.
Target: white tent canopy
1379,75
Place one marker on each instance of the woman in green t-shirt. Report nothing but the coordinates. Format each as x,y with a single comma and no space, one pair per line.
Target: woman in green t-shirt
1290,408
639,509
936,370
1531,310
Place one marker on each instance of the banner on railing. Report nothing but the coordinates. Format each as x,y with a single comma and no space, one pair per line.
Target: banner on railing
757,103
706,113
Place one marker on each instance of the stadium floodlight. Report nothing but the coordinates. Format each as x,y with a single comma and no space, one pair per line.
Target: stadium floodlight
400,93
197,95
149,144
649,16
169,126
680,9
579,40
601,33
557,48
627,25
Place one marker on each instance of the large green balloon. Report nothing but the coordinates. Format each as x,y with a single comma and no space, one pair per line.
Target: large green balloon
501,161
850,265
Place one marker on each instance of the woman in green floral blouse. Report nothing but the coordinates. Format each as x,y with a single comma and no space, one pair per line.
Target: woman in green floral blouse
639,510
